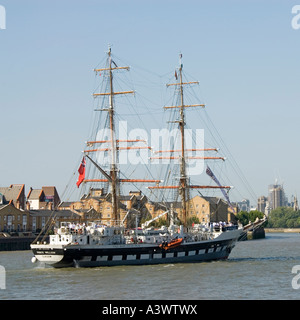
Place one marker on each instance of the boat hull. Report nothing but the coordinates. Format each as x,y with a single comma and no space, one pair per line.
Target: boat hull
133,254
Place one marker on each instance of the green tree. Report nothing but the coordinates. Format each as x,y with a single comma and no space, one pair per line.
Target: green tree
158,223
192,220
284,217
244,217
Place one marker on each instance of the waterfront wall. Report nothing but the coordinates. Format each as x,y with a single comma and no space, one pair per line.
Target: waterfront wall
291,230
258,233
15,243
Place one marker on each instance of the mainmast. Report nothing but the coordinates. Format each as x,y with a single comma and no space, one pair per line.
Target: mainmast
114,181
115,145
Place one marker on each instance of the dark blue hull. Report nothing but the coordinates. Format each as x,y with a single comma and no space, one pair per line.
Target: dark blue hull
97,256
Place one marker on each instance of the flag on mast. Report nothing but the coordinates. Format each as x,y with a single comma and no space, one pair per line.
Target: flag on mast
81,172
210,173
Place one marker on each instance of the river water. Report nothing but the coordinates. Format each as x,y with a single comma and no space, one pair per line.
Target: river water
257,269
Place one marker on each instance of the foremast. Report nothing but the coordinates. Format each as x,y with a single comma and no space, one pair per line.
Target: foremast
184,185
183,181
113,169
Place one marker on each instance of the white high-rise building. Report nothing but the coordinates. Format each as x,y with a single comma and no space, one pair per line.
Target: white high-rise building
276,196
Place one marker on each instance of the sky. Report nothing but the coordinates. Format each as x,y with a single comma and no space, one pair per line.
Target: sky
245,55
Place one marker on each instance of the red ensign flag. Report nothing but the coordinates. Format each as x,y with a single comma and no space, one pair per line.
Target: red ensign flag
81,172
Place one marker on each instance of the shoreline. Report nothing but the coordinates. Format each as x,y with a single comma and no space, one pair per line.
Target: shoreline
278,230
16,243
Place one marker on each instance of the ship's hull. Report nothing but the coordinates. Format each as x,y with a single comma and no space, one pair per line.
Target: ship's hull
132,254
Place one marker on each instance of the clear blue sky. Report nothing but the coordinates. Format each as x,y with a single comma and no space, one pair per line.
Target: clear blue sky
245,54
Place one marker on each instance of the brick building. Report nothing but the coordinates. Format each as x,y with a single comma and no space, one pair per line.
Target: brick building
46,198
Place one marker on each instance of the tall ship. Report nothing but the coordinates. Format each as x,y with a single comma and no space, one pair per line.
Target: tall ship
123,239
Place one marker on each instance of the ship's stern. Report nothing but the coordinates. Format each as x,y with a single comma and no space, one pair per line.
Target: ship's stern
53,255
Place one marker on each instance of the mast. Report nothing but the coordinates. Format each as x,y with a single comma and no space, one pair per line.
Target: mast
114,181
183,181
112,177
113,170
184,185
183,178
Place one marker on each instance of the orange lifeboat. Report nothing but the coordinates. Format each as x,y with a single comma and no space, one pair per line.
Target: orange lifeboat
172,244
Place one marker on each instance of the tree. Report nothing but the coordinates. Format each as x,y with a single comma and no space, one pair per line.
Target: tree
158,223
192,220
245,217
284,217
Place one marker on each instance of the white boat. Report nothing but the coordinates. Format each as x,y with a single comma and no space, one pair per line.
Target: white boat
111,246
94,244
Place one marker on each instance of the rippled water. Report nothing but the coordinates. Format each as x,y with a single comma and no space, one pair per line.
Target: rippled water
258,269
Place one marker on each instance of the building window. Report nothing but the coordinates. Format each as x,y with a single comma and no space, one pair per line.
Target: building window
9,220
34,224
24,222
